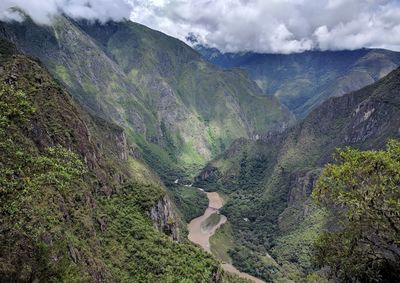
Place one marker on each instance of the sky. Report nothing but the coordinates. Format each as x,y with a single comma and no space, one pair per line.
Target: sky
266,26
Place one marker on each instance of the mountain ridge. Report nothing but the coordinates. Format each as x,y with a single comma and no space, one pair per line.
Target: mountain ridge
179,109
303,81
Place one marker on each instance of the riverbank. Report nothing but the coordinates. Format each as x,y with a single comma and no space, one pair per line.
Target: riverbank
200,235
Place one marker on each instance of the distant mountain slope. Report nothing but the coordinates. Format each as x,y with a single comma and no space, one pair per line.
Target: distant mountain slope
78,204
269,182
303,81
178,108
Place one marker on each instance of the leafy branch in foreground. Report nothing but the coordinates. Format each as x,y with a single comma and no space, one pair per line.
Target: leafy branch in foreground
362,191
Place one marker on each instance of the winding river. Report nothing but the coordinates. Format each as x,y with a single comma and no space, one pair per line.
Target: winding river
201,236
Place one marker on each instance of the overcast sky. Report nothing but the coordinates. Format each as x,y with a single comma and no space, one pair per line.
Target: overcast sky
278,26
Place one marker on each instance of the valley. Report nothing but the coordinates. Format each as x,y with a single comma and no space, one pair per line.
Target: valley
270,181
128,155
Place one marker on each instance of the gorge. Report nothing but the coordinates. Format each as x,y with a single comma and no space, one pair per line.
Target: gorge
128,155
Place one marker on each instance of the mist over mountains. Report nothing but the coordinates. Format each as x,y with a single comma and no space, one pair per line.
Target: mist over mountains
236,25
43,12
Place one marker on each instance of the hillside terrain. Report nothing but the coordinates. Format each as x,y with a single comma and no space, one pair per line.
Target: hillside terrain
303,81
180,110
78,203
269,182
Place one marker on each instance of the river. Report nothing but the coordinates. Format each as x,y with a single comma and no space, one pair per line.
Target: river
201,236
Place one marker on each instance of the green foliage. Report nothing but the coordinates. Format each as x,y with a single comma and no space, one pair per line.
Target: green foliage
190,201
233,278
275,200
250,262
363,192
64,220
29,183
135,252
6,48
14,107
221,242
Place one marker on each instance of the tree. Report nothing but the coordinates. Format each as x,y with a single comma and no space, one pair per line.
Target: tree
362,191
33,185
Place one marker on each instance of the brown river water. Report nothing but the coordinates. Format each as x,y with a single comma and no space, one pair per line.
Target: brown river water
201,236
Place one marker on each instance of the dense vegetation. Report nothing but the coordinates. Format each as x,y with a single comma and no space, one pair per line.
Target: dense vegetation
27,181
269,182
74,206
190,201
362,191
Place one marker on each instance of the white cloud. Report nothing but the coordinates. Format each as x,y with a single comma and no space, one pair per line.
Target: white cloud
41,11
279,26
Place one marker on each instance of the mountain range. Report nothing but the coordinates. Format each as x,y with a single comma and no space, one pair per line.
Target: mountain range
302,81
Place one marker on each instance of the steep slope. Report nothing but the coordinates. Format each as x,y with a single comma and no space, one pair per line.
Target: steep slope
303,81
178,108
78,204
269,182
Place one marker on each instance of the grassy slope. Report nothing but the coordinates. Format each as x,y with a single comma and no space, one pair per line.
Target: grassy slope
270,182
98,228
221,242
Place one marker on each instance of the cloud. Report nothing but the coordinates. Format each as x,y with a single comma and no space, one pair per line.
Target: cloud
276,26
269,26
42,11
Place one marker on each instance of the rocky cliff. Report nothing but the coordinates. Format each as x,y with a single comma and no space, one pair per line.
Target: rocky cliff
164,218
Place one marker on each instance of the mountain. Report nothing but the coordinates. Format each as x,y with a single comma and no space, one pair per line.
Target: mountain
178,109
303,81
268,182
78,203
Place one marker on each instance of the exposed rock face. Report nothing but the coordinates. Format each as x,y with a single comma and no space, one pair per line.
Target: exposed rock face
208,172
122,145
74,253
164,218
300,186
